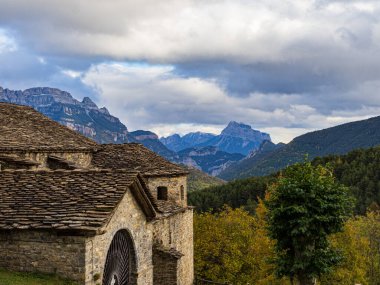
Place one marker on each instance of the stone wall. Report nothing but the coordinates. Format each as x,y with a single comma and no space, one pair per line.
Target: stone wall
176,232
130,217
174,187
43,251
165,267
83,258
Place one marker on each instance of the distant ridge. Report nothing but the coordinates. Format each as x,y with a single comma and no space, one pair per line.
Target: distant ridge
235,138
336,140
151,141
177,143
208,159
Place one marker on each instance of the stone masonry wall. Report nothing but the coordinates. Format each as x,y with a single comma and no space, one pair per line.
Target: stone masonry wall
176,232
166,268
43,252
130,217
174,187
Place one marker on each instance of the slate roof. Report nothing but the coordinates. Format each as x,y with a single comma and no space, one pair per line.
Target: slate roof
137,157
23,128
17,160
78,200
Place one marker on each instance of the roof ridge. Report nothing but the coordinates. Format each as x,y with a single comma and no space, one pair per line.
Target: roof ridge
135,156
78,170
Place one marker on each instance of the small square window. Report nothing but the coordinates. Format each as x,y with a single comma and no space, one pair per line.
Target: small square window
162,193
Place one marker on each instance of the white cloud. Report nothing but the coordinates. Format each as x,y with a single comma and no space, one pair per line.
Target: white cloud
71,73
164,130
155,98
285,135
7,43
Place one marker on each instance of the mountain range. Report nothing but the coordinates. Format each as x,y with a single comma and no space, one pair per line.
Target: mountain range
207,152
237,152
214,153
235,138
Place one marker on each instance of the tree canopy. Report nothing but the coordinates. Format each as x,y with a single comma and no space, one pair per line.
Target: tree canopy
306,205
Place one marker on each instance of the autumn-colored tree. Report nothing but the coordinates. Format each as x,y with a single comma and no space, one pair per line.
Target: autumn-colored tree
232,246
353,244
306,206
370,228
359,244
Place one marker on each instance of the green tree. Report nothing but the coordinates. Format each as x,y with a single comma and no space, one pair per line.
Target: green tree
306,205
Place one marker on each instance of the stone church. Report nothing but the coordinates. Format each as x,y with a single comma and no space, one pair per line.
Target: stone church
96,214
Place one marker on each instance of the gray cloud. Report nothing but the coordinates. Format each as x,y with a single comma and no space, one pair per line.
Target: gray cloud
153,96
296,65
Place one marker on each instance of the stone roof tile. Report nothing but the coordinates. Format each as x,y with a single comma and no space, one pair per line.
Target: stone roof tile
135,156
23,128
62,199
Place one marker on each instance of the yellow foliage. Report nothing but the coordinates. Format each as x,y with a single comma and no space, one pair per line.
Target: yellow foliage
360,246
234,247
354,247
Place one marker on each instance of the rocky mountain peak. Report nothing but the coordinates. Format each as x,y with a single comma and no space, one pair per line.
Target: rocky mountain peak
199,136
177,143
173,137
241,130
234,125
104,110
89,103
55,94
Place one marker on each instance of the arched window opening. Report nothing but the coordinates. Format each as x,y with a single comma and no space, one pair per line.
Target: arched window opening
162,193
182,192
120,266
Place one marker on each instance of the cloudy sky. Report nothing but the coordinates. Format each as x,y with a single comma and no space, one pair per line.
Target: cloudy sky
282,66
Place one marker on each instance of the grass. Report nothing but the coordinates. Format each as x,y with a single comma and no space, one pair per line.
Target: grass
22,278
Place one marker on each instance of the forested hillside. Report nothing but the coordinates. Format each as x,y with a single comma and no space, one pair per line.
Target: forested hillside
243,192
359,170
